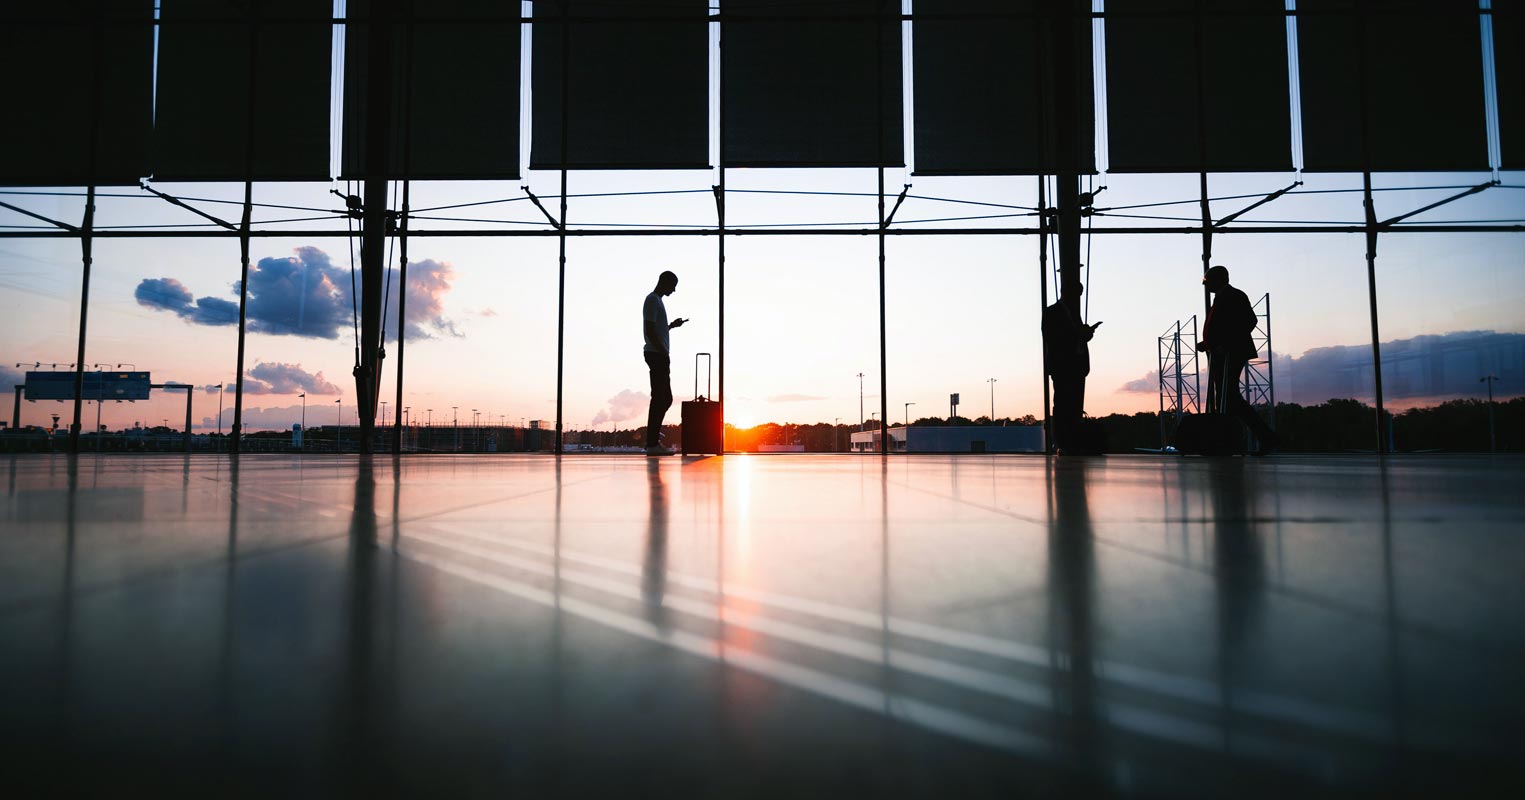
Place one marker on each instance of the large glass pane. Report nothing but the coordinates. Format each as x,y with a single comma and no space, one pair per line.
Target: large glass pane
40,279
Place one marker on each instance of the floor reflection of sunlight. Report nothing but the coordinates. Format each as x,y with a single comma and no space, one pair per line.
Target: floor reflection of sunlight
737,566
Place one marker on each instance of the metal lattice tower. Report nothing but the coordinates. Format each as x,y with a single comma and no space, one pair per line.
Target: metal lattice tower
1257,382
1180,381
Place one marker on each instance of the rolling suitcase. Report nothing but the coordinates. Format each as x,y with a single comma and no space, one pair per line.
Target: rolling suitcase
703,424
1211,434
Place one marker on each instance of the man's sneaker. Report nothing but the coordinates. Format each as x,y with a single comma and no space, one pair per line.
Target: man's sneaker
659,451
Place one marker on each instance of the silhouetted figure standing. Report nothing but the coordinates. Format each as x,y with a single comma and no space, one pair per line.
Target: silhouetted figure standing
1226,340
1067,359
659,359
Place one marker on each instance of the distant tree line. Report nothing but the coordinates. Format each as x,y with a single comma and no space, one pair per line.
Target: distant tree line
1330,427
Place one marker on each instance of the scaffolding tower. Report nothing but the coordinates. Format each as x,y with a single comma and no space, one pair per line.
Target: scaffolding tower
1257,383
1180,377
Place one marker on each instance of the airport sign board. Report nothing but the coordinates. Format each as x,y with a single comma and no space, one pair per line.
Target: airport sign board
127,386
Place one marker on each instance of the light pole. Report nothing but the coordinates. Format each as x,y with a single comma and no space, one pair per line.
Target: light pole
220,386
383,414
860,401
339,435
455,428
303,445
835,435
991,381
1490,379
97,368
908,414
476,431
405,410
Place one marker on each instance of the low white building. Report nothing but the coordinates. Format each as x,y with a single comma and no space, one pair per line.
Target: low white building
954,439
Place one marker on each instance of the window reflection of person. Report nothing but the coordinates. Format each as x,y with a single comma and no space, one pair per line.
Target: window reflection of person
654,563
1071,604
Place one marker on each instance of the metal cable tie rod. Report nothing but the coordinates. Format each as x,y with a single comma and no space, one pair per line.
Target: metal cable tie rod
536,201
66,226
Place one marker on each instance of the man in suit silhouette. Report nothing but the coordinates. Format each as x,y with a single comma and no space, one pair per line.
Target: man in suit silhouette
1067,359
1226,340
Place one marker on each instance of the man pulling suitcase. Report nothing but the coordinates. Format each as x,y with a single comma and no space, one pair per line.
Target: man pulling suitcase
1229,346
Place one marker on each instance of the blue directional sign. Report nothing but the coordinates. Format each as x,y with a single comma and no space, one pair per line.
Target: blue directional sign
128,386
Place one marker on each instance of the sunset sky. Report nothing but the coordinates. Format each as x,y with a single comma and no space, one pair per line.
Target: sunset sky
802,316
801,311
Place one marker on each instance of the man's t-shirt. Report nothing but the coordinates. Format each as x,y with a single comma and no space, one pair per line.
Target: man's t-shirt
653,311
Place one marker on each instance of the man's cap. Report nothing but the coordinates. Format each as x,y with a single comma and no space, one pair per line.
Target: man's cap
1216,272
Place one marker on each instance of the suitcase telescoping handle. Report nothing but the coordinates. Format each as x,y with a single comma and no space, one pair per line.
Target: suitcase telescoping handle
1221,395
708,364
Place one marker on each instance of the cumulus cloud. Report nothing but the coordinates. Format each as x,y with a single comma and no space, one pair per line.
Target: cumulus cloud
793,398
279,378
9,379
1415,371
168,294
306,294
628,404
1149,384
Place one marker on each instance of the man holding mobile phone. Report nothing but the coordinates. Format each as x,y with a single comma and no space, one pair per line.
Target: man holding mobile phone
1067,360
659,359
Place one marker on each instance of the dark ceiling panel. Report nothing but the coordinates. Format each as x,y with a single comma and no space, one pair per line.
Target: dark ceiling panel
638,97
454,91
984,102
811,85
202,124
76,71
1415,66
1509,72
1194,85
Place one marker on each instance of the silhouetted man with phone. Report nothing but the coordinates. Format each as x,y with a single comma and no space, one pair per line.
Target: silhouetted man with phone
1067,360
1226,340
659,359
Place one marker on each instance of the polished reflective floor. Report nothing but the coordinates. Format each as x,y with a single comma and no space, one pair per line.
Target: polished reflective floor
762,626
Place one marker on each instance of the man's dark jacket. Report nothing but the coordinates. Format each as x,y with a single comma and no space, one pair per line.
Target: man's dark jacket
1229,324
1065,351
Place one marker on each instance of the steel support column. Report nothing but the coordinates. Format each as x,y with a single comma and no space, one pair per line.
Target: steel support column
236,432
884,380
720,239
378,167
1067,155
86,246
1371,291
1048,434
402,307
561,228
